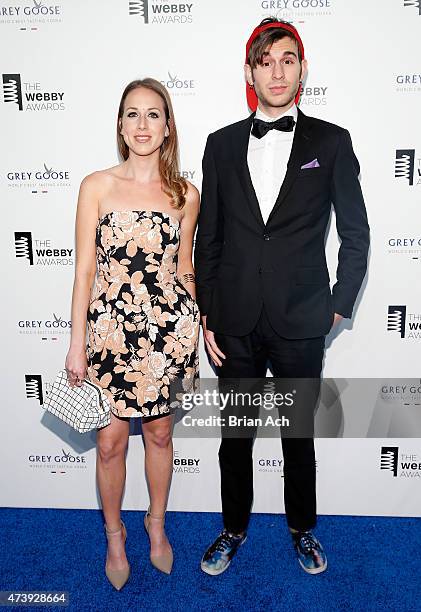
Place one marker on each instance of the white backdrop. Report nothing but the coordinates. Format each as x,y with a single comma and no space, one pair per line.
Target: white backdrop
64,66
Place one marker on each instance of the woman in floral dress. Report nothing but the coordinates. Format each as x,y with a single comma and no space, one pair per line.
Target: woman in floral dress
134,290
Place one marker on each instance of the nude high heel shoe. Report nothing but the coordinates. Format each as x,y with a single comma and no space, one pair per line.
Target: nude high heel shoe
162,562
118,578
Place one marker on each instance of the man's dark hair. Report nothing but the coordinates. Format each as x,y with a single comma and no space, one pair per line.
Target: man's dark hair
266,39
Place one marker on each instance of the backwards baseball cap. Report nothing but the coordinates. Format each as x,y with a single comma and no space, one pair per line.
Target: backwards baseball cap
250,93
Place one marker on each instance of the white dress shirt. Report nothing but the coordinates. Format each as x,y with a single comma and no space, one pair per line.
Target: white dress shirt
267,160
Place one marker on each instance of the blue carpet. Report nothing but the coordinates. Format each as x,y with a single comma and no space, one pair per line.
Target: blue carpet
374,564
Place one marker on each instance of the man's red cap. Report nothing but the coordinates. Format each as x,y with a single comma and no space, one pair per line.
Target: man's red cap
250,93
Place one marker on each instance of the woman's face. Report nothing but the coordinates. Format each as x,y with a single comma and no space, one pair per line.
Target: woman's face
143,124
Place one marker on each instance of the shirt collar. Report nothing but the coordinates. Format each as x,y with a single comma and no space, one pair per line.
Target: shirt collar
292,111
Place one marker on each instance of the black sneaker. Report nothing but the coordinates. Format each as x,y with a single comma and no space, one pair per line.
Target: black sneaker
218,556
310,553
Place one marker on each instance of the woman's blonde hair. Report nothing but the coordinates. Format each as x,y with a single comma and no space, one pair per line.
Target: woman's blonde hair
173,184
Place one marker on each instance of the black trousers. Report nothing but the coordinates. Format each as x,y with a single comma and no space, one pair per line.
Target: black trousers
247,357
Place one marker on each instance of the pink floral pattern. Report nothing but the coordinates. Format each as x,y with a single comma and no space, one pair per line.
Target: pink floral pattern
143,326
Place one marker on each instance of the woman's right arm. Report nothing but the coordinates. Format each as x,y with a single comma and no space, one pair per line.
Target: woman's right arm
85,269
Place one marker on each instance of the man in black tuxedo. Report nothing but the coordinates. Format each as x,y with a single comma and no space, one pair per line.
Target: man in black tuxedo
269,183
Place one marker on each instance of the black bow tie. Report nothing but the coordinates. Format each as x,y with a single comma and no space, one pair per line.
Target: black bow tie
261,128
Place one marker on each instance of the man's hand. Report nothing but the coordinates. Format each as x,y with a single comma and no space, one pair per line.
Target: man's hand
211,346
337,319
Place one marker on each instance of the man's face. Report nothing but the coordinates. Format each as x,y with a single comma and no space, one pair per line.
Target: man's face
277,78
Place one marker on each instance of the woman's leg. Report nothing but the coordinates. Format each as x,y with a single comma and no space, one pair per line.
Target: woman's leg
158,465
111,475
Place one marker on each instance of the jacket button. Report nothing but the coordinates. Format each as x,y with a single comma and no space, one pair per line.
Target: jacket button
266,237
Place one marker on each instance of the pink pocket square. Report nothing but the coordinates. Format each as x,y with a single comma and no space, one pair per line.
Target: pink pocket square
312,164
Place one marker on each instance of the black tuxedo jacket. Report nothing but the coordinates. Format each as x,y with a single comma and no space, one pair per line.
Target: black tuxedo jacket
242,263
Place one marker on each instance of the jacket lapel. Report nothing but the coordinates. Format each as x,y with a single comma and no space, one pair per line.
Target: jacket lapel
240,149
299,145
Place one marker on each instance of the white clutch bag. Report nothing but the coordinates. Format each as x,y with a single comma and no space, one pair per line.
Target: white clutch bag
84,408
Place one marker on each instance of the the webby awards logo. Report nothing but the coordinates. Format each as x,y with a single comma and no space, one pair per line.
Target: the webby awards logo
314,95
400,464
33,387
30,96
41,252
402,323
408,167
161,11
415,4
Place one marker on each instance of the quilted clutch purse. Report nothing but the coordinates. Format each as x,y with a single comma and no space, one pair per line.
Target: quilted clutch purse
84,408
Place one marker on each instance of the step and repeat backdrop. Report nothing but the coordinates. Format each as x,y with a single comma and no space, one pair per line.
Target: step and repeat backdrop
64,64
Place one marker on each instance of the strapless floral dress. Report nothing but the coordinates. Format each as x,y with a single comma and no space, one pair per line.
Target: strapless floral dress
143,325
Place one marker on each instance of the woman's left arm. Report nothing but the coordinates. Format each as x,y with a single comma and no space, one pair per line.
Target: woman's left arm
185,270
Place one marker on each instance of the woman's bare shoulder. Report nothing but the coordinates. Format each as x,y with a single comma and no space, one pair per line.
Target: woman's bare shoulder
192,194
191,206
101,176
100,180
